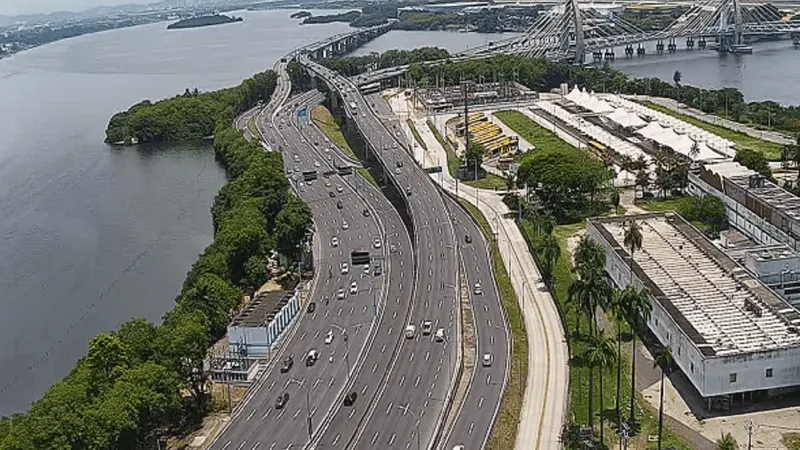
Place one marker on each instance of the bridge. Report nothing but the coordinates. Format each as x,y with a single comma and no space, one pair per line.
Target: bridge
722,25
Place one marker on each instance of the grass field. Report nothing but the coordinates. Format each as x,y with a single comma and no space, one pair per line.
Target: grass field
579,380
251,125
325,121
492,182
504,432
366,174
531,131
770,150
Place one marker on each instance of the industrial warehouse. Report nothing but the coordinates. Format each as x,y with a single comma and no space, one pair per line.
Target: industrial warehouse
734,338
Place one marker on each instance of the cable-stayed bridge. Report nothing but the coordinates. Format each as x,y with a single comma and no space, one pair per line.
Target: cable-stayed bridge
722,24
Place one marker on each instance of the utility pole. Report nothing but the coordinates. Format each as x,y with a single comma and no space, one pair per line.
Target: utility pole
750,427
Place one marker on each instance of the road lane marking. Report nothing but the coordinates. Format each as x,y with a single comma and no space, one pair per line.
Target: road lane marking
264,416
256,446
480,402
471,427
336,439
427,355
296,413
383,349
241,445
411,358
389,408
227,444
391,439
374,438
402,379
375,367
250,416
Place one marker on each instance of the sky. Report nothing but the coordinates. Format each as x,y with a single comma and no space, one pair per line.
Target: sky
16,7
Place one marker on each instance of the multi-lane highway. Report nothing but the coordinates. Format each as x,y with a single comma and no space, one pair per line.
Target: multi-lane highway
348,303
412,404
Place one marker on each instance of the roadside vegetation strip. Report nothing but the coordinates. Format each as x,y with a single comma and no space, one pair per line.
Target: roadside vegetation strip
578,345
327,123
368,176
491,182
771,150
417,137
251,125
504,430
452,159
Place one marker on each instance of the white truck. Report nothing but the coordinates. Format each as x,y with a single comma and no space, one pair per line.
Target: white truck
354,108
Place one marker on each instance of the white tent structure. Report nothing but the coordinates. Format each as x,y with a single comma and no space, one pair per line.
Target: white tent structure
625,119
722,147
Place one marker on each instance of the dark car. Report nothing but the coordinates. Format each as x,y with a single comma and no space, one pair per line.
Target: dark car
287,364
398,163
331,194
365,212
339,204
311,307
468,239
350,398
282,400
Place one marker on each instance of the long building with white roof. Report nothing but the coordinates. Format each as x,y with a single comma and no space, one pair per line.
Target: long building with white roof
729,333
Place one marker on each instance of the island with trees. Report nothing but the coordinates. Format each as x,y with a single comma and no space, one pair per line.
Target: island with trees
144,381
203,21
300,15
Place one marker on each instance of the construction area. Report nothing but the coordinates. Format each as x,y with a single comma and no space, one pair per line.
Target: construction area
477,94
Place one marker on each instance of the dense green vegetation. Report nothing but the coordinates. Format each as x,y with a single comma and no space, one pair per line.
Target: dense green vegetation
355,65
346,17
707,213
146,381
192,115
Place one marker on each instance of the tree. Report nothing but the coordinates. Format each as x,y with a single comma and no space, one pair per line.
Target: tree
726,442
184,341
791,152
293,223
600,355
473,157
677,77
138,337
642,180
663,359
617,307
694,151
106,358
213,298
614,198
510,180
638,306
633,242
753,160
550,251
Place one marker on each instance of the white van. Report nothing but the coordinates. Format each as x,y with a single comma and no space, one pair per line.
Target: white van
439,336
411,330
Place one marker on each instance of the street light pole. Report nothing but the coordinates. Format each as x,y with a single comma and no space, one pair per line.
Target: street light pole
308,405
347,348
407,409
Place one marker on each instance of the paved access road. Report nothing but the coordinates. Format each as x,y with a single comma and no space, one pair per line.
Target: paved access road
412,402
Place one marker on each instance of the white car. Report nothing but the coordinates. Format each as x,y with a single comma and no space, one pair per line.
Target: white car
353,288
345,225
397,171
478,289
345,268
340,294
393,248
316,164
458,447
377,243
339,188
487,360
411,330
439,336
335,241
366,269
329,337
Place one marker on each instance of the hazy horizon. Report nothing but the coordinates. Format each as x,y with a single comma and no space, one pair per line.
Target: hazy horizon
20,7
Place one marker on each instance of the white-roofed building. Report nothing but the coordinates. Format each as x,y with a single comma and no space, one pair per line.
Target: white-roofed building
731,335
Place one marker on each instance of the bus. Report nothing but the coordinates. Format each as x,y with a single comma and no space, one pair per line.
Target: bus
371,88
599,150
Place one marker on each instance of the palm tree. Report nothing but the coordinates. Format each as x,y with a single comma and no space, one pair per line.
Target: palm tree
586,294
633,242
664,360
615,200
550,252
638,306
617,306
694,151
600,354
589,257
726,442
